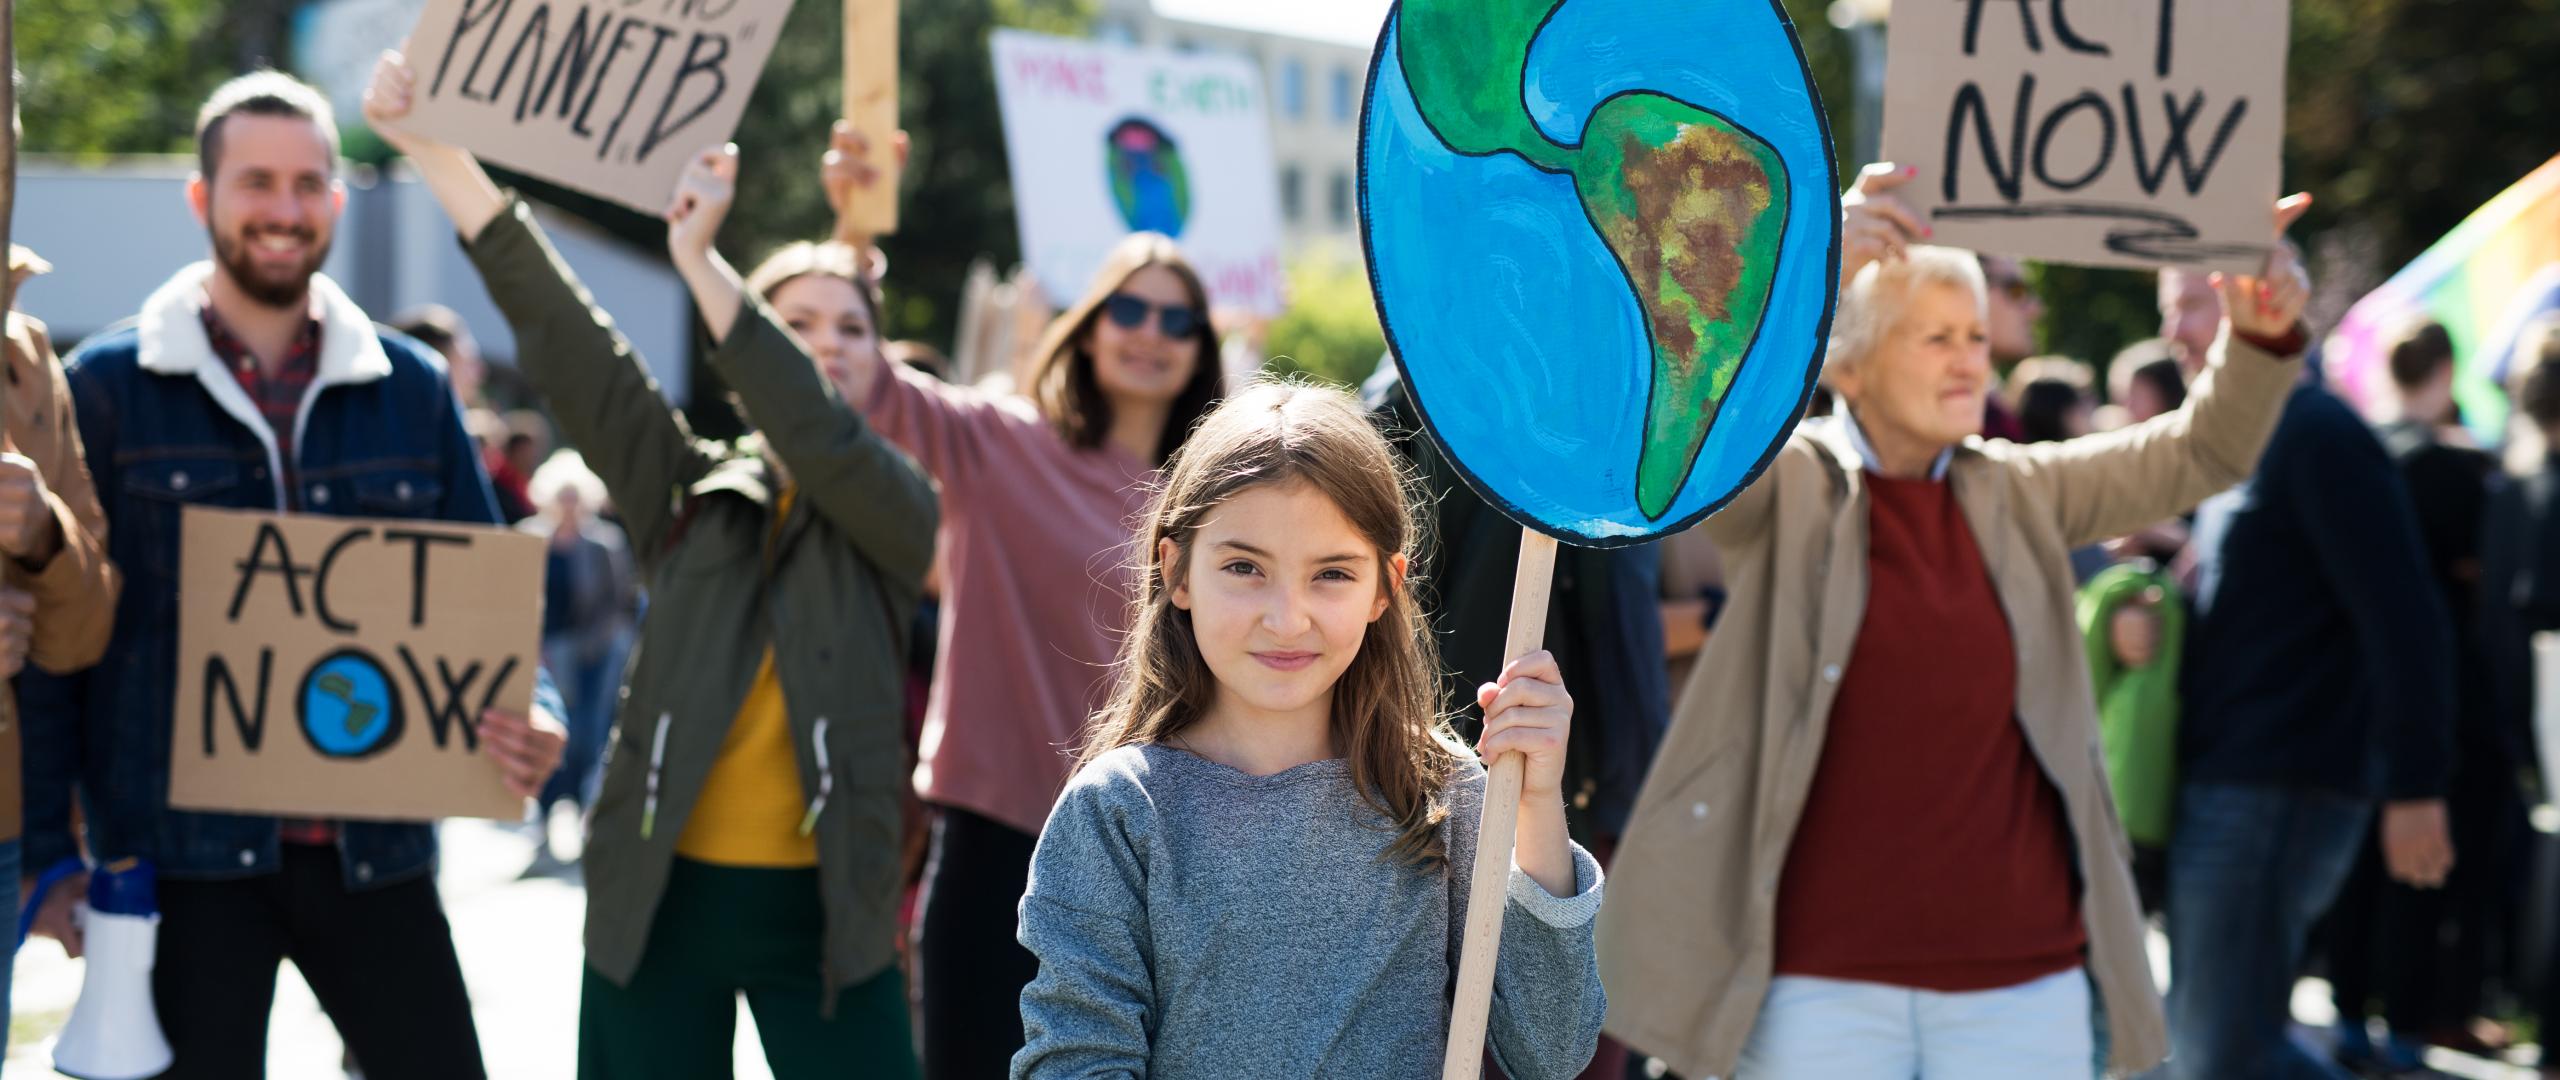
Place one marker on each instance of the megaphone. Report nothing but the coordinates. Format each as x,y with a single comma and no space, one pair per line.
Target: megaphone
114,1033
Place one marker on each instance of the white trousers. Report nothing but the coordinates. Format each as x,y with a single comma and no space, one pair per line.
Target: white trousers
1830,1029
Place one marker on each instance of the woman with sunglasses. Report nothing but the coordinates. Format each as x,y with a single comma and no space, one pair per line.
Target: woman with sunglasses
1037,500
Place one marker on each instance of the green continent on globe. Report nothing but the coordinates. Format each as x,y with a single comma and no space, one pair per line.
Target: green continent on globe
1466,61
1691,205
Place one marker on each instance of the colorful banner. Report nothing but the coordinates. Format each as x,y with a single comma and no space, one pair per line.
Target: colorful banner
2485,281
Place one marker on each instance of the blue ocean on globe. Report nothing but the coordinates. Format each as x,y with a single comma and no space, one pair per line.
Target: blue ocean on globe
1514,326
348,706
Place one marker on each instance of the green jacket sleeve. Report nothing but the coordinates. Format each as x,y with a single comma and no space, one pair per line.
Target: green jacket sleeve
597,388
872,491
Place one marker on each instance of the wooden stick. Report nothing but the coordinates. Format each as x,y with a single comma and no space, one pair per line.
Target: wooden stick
1487,888
871,106
8,153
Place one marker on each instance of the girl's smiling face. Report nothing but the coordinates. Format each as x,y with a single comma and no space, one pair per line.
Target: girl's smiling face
1281,590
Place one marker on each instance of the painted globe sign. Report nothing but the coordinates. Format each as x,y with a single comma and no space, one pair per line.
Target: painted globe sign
1604,243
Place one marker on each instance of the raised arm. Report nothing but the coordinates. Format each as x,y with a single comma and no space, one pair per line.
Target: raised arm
870,490
596,386
2107,485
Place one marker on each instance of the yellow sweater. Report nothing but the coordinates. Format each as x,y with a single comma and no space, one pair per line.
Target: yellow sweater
750,810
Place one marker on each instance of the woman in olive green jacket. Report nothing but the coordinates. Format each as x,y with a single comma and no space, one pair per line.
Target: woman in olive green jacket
746,838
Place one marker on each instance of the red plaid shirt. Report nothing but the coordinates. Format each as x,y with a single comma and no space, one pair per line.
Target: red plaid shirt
278,394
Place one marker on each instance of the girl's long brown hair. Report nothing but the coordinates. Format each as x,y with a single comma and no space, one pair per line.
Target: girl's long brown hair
1063,385
1386,706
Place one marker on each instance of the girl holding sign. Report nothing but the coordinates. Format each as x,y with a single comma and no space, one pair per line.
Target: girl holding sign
1037,497
745,840
1261,867
1878,844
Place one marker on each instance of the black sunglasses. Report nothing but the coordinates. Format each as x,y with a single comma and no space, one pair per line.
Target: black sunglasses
1129,313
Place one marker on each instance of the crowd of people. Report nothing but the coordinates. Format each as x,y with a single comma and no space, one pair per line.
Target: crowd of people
1130,723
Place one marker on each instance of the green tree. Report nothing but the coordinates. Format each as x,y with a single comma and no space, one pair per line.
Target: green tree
125,76
1331,328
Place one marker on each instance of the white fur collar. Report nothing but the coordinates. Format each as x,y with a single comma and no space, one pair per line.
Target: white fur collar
173,341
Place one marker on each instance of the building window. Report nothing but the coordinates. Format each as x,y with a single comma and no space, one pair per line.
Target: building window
1342,103
1341,200
1293,195
1293,90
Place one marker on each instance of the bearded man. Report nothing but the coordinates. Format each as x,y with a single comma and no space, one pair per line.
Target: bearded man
251,381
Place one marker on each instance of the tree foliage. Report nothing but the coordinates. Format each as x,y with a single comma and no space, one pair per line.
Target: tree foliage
125,76
1331,328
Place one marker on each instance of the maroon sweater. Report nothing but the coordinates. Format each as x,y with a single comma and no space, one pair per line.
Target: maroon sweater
1933,853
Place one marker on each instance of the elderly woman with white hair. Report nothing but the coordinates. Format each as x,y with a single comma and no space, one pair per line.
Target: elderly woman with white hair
1877,843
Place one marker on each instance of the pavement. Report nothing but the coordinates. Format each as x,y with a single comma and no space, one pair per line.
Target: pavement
518,937
517,927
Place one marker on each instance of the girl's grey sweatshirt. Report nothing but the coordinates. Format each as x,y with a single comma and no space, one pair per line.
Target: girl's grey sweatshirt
1194,921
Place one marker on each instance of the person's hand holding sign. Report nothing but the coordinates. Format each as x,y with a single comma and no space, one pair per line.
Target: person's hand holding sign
450,171
2268,305
1875,224
1528,711
526,748
702,199
29,531
843,171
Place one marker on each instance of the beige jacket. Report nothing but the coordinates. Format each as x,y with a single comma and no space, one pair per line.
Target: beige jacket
1686,939
75,592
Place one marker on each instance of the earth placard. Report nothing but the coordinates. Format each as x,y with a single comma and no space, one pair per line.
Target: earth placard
1604,243
338,667
1107,140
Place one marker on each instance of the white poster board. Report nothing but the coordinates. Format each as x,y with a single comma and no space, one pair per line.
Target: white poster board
2130,133
1107,140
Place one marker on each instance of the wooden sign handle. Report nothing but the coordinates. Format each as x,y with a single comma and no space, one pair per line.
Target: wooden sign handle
871,106
1491,877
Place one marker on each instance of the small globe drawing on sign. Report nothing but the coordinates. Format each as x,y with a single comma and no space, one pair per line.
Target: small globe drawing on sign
348,707
1148,181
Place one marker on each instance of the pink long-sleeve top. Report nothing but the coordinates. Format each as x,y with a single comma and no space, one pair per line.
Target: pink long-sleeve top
1037,550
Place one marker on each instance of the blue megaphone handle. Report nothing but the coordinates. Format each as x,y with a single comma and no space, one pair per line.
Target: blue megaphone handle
52,876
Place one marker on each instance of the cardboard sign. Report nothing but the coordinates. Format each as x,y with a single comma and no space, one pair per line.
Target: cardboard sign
606,96
337,667
2133,133
1107,140
1604,243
